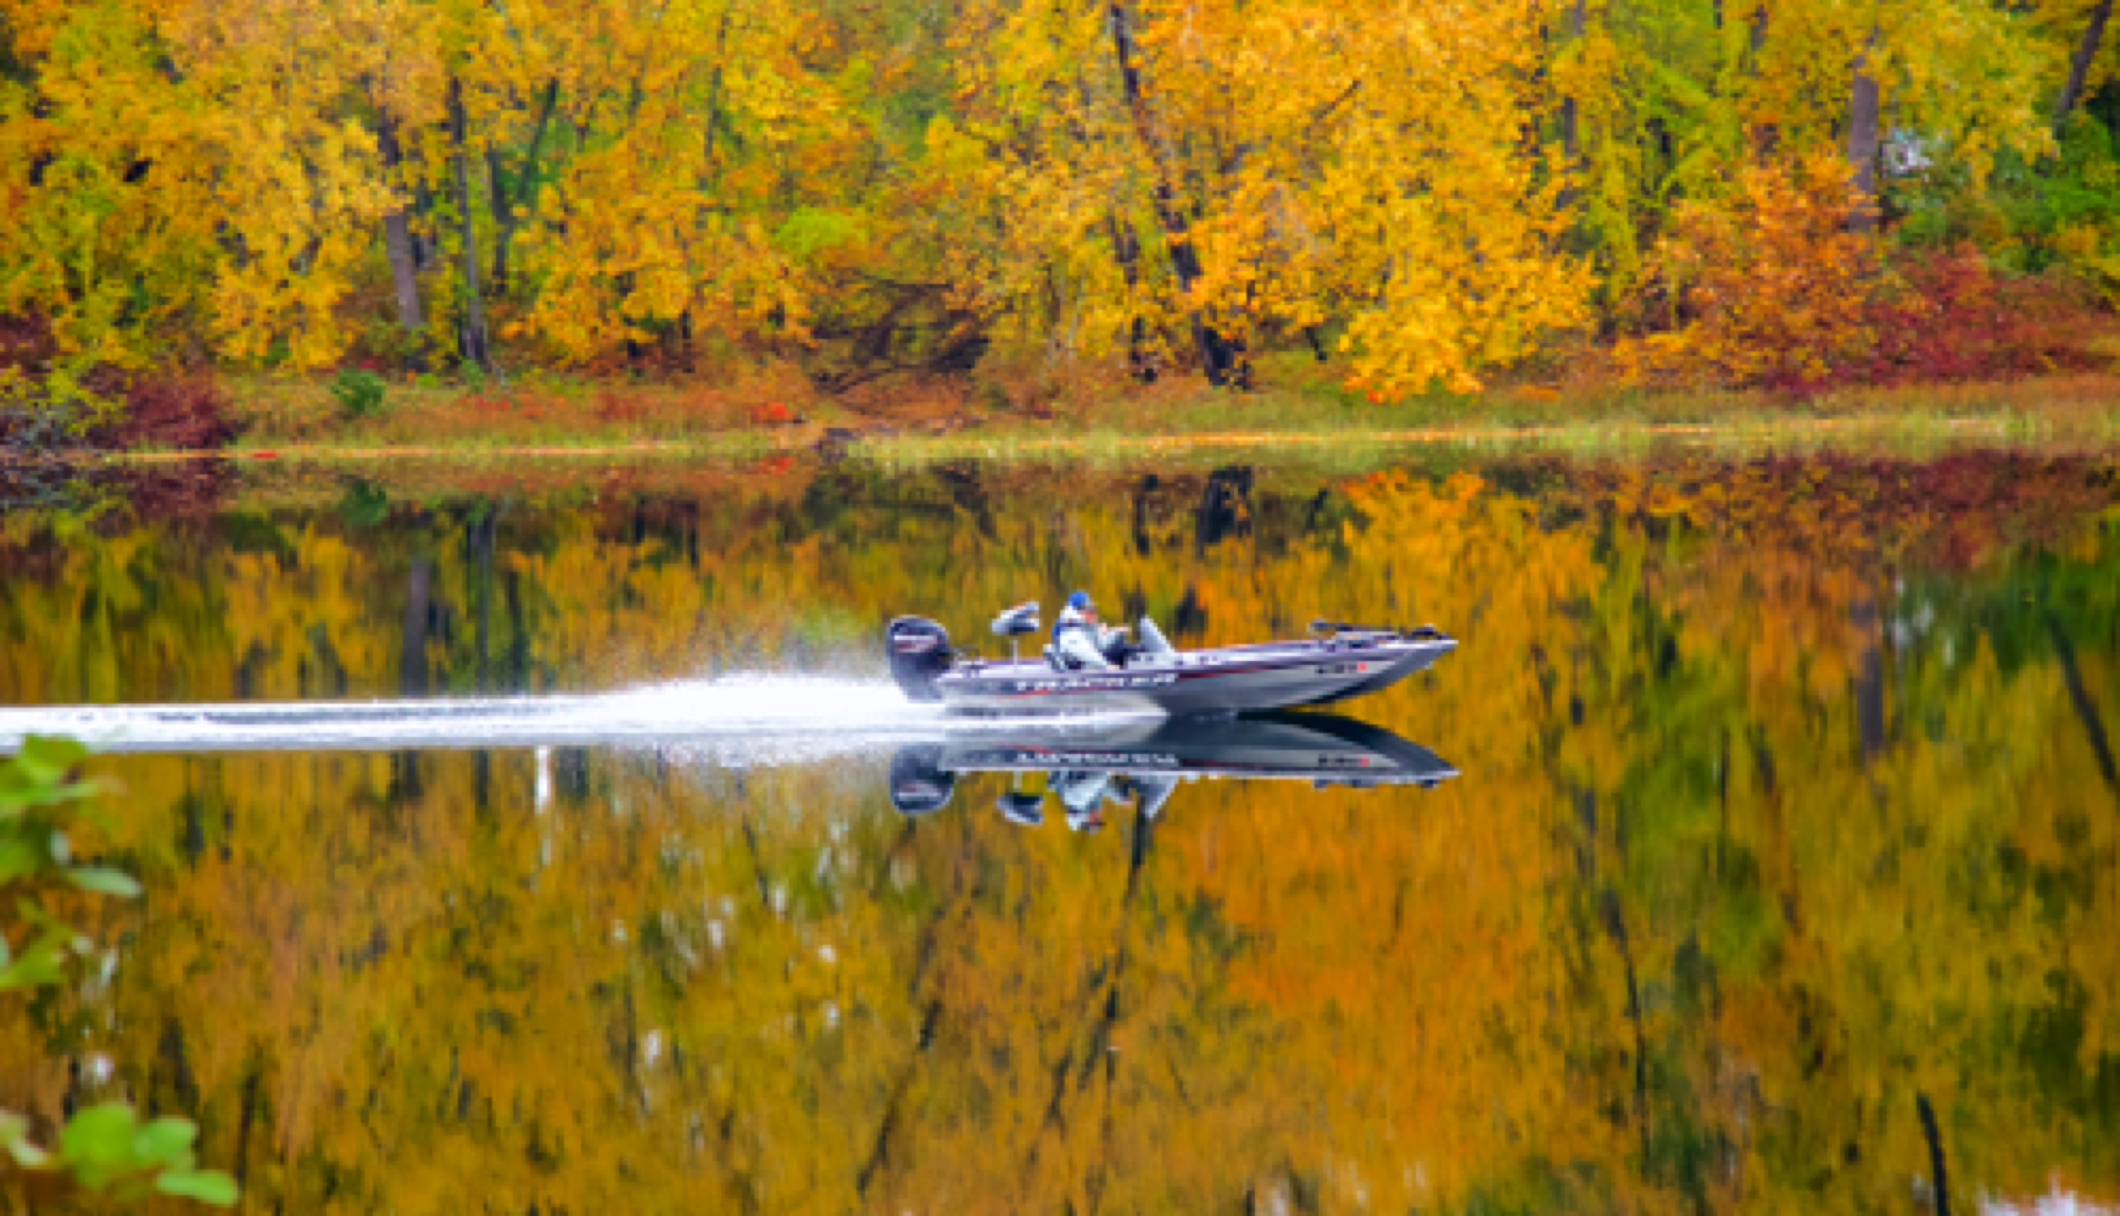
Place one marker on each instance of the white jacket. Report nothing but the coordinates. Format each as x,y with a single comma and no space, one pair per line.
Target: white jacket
1081,641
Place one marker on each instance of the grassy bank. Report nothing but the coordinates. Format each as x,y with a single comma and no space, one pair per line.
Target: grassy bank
1311,420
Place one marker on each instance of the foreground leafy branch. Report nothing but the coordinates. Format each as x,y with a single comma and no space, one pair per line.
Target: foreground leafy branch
106,1148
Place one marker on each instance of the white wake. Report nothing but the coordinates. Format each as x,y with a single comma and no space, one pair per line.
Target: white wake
789,715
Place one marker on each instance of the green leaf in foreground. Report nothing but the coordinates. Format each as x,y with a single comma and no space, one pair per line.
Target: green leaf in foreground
206,1186
97,1143
104,881
167,1141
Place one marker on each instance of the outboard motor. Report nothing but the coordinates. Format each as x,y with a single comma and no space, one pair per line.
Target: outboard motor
918,650
919,784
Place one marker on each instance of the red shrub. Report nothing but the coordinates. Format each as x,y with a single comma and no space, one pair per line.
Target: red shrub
180,413
1952,319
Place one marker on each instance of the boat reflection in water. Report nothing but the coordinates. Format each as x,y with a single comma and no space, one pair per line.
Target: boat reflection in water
1145,762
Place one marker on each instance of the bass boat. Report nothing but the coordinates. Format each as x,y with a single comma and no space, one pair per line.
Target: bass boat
1337,661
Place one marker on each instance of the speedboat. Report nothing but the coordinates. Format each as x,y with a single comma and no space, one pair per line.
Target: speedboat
1323,749
1338,661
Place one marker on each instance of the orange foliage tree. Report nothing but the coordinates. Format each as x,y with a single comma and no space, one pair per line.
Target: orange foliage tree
1766,288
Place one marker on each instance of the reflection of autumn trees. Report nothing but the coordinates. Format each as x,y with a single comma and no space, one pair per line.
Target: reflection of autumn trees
1786,806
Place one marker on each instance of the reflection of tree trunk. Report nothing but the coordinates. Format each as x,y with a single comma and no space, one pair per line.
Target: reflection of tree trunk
1220,358
1616,925
879,1152
412,663
1763,760
397,234
194,808
1143,827
1224,506
481,538
183,1087
1869,680
2079,65
1941,1182
1099,1044
246,1120
1142,489
2086,709
475,345
412,672
518,637
1864,115
758,861
1586,834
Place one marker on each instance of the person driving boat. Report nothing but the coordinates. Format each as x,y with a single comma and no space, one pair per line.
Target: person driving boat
1080,641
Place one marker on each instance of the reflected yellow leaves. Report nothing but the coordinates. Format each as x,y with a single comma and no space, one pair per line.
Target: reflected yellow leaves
1775,815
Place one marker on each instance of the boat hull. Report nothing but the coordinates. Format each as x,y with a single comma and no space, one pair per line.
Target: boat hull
1235,680
1154,758
1318,748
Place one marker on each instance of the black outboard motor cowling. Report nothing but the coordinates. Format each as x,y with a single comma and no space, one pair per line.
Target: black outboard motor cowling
919,786
918,650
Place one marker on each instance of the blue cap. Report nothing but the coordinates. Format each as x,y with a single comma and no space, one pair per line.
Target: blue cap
1079,599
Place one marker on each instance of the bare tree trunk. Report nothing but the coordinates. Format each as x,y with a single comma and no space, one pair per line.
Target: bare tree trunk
1127,249
476,345
512,205
721,56
423,250
1570,119
1766,137
397,233
2079,66
1571,144
1864,114
1219,356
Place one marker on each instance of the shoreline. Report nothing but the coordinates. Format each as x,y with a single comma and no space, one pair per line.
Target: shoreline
978,443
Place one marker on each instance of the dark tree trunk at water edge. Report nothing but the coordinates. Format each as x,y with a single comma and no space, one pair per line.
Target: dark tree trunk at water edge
512,204
1864,106
476,346
398,244
1220,358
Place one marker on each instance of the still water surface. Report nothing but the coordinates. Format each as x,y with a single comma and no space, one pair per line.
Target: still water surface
1762,809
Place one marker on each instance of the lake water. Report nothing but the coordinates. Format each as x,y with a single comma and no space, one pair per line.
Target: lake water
1765,852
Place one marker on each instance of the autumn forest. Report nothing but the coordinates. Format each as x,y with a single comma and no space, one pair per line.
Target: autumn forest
1423,194
462,462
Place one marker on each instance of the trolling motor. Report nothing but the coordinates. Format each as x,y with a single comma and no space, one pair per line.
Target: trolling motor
1346,631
